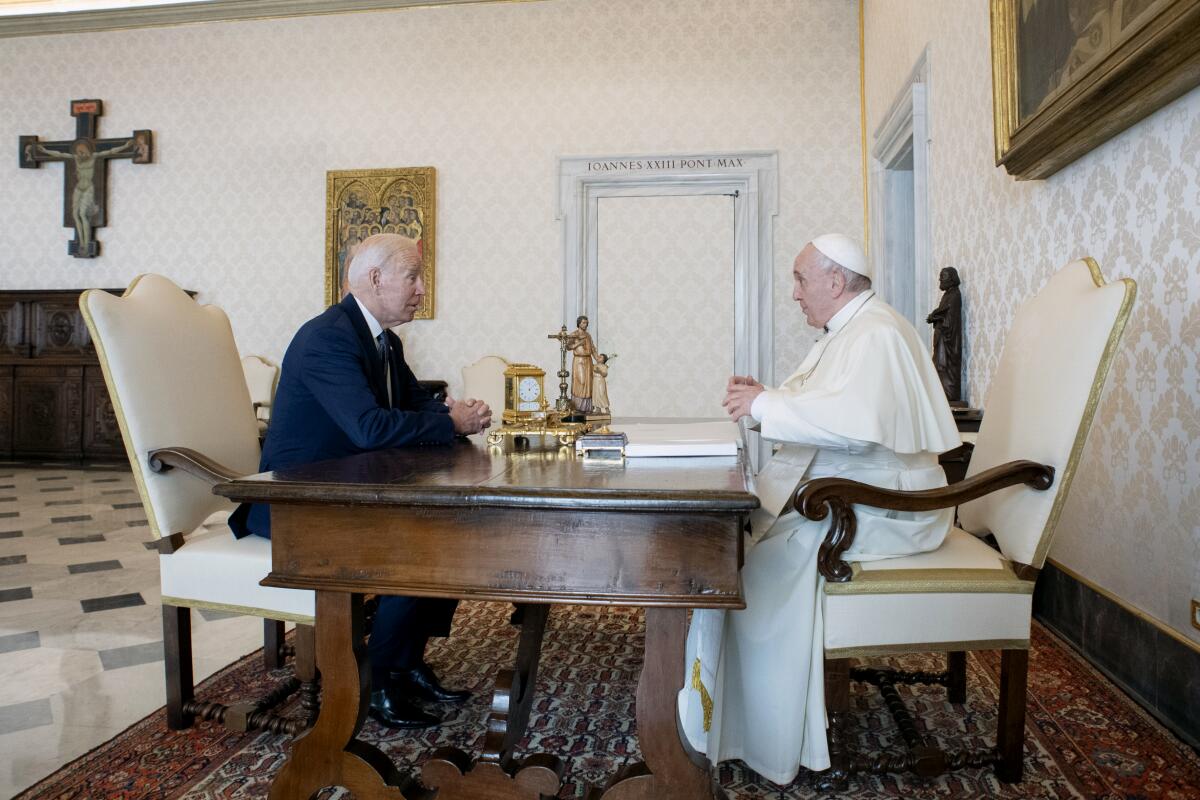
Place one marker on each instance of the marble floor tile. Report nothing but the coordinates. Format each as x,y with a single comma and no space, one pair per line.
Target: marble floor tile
81,678
111,602
16,594
124,627
132,655
20,641
44,671
33,754
23,716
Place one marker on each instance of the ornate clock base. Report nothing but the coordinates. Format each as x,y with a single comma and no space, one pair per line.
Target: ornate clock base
565,432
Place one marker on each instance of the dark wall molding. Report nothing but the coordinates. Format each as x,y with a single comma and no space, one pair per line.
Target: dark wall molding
1155,665
185,13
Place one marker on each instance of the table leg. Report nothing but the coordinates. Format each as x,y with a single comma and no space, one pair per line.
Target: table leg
330,754
496,775
671,771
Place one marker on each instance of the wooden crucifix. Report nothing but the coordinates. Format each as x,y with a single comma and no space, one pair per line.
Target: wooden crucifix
85,171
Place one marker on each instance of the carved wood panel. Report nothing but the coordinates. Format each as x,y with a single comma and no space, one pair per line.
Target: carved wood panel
58,328
6,421
101,433
12,327
47,411
53,402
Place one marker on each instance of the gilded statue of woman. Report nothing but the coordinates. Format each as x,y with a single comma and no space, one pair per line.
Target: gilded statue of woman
584,350
600,403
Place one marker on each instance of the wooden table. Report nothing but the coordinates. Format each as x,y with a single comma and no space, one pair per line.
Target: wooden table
533,528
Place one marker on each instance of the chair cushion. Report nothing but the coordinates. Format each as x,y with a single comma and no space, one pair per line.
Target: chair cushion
962,596
215,570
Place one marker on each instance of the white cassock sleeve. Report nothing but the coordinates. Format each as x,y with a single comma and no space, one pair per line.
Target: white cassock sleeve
790,427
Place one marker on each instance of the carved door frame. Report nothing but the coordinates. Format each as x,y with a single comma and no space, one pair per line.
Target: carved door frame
750,177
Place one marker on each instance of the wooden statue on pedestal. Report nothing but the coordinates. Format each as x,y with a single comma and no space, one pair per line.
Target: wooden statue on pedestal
582,366
946,320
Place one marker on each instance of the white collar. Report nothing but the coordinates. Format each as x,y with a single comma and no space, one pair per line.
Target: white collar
839,320
372,323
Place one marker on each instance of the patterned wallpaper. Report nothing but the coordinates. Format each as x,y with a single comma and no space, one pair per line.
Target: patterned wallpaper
248,116
666,278
1132,522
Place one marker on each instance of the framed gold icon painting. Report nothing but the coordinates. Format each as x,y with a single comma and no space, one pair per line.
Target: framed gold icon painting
360,203
1067,75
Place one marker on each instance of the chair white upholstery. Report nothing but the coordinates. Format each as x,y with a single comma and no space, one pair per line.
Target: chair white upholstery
484,380
962,596
1042,401
175,379
261,379
966,595
214,570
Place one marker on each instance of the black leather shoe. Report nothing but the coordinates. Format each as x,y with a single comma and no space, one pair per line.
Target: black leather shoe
390,709
420,682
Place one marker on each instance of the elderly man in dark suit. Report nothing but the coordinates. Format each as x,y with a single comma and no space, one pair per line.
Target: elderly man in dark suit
345,389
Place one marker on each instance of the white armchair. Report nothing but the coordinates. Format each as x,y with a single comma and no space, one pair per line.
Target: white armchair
181,400
968,595
484,380
261,379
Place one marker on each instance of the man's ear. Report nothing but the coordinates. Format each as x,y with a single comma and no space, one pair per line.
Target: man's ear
838,279
375,274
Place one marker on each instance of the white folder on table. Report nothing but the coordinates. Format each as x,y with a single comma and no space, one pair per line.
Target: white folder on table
682,439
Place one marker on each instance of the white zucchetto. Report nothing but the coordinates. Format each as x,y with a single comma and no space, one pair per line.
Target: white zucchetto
844,251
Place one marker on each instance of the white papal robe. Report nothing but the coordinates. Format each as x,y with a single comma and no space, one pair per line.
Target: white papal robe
866,404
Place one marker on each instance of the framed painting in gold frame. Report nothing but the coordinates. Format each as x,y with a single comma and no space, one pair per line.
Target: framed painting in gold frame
1067,75
362,202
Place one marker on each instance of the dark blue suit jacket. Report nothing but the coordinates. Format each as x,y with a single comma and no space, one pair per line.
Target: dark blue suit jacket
332,402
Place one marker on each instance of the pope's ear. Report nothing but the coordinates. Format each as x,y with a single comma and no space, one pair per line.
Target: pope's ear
837,281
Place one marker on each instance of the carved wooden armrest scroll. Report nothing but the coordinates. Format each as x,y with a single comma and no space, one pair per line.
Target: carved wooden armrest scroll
166,459
836,497
191,462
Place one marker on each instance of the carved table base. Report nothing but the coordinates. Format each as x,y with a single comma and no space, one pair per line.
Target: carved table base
331,755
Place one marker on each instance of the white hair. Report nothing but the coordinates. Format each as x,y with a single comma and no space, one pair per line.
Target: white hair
383,250
854,281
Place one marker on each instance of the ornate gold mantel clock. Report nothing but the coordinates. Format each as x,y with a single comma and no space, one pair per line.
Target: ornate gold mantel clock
524,393
527,412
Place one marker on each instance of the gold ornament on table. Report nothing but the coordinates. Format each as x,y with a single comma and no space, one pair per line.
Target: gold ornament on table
589,374
524,393
527,411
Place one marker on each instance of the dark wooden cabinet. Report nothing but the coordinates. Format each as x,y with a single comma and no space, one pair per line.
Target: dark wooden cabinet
53,402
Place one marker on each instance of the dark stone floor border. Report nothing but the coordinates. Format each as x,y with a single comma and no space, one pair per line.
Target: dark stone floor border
1155,666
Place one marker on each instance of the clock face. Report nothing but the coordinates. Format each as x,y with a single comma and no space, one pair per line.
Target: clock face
529,389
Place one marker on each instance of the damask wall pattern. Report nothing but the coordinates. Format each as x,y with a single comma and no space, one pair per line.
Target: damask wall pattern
666,291
248,116
1132,522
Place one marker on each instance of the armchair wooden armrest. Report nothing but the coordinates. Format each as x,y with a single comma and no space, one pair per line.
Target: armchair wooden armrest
192,462
823,497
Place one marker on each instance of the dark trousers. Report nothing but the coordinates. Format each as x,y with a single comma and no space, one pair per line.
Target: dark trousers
401,628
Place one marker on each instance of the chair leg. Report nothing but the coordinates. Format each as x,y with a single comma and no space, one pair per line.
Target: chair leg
305,665
1010,735
837,707
177,658
272,644
956,673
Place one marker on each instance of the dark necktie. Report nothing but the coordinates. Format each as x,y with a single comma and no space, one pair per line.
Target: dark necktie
382,343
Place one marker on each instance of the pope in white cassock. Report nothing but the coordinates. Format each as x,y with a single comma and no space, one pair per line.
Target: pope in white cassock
866,404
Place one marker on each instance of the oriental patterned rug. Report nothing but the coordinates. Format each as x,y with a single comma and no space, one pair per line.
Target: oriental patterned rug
1084,737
